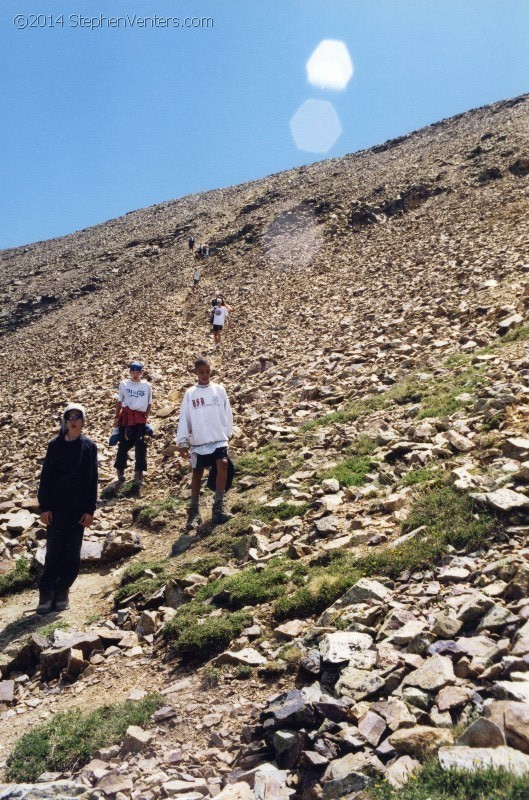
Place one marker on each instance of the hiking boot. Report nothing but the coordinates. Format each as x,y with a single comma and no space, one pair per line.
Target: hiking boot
121,475
45,603
193,520
219,515
62,599
138,477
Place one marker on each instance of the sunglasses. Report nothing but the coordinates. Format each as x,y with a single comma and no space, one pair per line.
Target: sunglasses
71,417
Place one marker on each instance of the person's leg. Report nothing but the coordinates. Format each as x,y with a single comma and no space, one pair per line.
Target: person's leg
120,464
220,516
193,517
48,579
140,453
69,565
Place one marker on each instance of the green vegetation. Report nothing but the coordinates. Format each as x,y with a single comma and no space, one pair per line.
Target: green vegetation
252,510
135,580
515,335
448,517
157,513
418,476
68,740
352,470
434,783
51,627
260,462
194,633
248,587
119,490
210,677
438,396
494,422
243,672
200,566
18,578
352,412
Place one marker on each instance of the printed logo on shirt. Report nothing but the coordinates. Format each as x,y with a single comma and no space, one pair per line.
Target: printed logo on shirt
136,392
218,312
199,402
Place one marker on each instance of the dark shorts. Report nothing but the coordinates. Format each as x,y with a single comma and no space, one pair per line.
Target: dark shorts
210,458
218,327
195,281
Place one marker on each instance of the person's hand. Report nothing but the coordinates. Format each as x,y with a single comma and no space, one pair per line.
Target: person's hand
46,518
86,520
184,452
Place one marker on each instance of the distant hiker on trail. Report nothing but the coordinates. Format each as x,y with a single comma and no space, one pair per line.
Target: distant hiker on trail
199,251
196,278
205,251
219,318
67,498
191,242
204,428
132,411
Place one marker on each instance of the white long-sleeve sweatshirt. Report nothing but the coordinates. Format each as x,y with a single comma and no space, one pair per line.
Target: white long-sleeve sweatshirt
205,416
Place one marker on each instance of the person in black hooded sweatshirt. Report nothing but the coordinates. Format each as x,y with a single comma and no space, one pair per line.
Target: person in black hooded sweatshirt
67,498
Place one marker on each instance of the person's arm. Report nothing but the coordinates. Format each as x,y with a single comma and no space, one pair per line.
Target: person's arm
229,415
88,517
118,412
184,428
44,493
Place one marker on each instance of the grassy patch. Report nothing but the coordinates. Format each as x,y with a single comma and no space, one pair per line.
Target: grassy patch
195,634
251,510
249,587
352,412
434,783
201,566
18,578
136,580
118,490
51,627
438,396
260,462
68,740
418,476
515,335
448,517
157,513
350,472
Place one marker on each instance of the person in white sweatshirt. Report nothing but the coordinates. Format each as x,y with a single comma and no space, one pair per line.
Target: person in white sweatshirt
204,428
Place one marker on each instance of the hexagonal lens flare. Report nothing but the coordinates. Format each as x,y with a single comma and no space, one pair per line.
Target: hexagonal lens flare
330,65
315,126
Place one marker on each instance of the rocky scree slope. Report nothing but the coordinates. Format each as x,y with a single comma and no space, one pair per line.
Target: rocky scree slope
377,368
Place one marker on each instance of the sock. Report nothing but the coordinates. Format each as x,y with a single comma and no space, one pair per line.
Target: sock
194,503
219,496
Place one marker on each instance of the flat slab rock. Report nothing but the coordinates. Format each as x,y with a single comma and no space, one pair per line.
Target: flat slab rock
471,759
248,656
57,790
340,647
503,499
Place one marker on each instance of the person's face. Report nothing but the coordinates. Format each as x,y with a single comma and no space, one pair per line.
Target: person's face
74,424
135,374
203,373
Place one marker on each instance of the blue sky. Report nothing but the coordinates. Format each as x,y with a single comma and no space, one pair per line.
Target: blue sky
103,120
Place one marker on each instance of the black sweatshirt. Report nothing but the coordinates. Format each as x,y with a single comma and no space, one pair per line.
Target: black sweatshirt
68,481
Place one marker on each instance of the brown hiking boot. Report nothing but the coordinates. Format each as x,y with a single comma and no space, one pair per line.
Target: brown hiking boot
138,477
193,520
219,515
121,475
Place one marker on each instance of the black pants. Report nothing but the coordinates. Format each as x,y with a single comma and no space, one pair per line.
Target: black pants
63,554
136,439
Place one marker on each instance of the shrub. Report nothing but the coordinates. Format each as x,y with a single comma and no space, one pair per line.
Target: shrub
448,517
68,740
350,472
157,513
418,476
135,580
190,633
249,587
260,462
18,578
434,783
